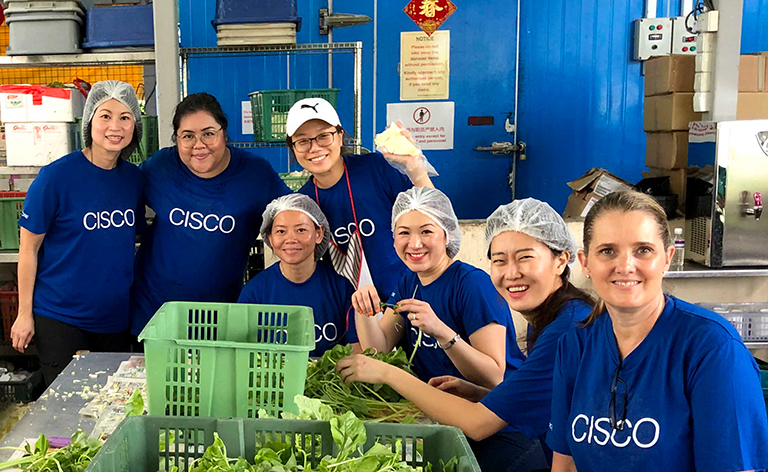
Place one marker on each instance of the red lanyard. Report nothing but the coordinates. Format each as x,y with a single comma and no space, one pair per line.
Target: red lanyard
351,200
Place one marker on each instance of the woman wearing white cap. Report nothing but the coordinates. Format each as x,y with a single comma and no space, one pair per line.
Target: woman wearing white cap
530,247
457,324
208,197
297,231
78,230
356,193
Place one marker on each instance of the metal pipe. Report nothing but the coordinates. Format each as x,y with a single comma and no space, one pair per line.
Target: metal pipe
330,54
512,183
375,62
167,66
651,7
358,95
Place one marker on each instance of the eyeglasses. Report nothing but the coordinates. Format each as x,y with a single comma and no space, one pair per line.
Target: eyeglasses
188,140
618,422
323,139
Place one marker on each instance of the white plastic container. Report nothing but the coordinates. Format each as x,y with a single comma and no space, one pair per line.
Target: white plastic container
36,103
38,144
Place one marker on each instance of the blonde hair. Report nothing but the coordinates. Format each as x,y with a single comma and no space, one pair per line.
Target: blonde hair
625,202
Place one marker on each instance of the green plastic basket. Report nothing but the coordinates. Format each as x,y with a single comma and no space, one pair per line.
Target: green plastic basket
226,359
295,182
270,110
11,206
147,146
135,445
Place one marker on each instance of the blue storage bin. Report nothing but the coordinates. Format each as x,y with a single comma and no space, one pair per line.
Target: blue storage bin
256,11
119,26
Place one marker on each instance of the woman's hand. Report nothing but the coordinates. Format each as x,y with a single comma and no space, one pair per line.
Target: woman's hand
361,368
459,387
366,300
423,317
22,331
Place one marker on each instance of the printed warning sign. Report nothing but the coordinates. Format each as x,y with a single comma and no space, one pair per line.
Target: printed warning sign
430,123
424,65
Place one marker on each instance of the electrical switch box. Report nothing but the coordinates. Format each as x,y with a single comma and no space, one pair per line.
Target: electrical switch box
653,37
683,42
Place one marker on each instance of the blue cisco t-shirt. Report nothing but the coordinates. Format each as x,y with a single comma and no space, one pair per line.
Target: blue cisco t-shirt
197,247
90,217
693,397
375,185
326,292
464,298
524,399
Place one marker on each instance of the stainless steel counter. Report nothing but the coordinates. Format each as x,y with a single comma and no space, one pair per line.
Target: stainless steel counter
57,412
692,270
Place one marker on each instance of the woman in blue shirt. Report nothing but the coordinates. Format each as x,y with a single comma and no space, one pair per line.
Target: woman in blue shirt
650,382
530,247
356,193
456,323
208,198
295,228
78,231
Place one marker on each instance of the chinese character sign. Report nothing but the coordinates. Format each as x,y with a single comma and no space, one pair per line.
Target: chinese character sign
429,14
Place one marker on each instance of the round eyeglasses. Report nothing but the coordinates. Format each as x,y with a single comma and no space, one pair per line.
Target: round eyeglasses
207,137
322,139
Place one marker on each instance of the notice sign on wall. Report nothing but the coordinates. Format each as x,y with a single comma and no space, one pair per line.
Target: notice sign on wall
247,117
425,65
430,123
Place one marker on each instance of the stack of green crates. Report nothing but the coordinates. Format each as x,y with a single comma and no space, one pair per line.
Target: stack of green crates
226,359
270,110
141,443
147,146
11,206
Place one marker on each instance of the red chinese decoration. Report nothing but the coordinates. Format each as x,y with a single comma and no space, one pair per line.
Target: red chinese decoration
429,14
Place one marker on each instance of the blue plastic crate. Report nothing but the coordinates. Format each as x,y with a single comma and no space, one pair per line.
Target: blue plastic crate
262,11
119,26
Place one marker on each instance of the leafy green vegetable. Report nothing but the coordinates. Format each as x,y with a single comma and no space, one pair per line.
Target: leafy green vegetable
75,457
135,404
370,402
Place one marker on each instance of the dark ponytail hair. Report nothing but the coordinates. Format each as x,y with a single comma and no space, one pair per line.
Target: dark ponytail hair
543,315
199,102
624,202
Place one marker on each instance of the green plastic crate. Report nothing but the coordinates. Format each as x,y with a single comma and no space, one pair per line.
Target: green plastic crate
134,446
270,110
226,359
295,182
11,206
147,146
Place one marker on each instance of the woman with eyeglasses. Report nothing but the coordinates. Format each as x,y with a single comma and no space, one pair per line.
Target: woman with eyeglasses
650,382
209,198
356,193
78,230
530,247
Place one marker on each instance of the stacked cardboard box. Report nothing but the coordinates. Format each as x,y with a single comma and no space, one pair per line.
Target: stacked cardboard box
753,87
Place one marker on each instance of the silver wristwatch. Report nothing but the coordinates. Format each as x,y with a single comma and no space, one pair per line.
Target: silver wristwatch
450,343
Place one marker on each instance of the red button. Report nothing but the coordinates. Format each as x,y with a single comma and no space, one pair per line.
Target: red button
659,27
685,49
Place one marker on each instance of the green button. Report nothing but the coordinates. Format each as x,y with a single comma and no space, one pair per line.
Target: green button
653,27
693,48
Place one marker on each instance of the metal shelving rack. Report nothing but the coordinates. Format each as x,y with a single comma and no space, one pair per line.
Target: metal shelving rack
355,48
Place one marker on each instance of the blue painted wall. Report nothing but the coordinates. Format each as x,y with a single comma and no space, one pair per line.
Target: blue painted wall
580,94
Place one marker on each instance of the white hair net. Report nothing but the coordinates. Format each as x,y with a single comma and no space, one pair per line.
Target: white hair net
534,218
436,205
123,93
303,204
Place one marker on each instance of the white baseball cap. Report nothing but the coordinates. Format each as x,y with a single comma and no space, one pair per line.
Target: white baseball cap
308,109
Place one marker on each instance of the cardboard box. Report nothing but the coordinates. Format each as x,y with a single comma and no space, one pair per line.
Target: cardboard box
668,74
36,103
667,150
752,106
677,181
751,73
671,112
38,144
589,188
